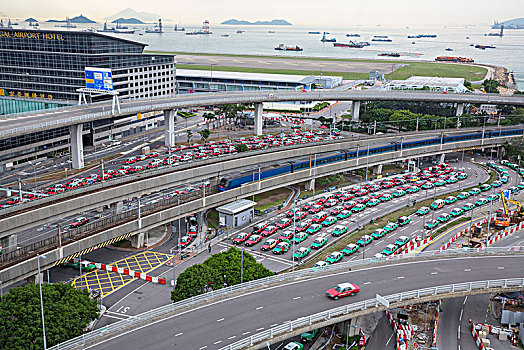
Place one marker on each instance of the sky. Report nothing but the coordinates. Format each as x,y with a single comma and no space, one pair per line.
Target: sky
330,13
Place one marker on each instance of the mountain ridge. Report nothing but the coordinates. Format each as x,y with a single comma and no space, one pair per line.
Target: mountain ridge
273,22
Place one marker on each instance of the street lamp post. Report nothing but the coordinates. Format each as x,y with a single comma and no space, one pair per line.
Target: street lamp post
41,299
489,215
294,232
34,172
242,266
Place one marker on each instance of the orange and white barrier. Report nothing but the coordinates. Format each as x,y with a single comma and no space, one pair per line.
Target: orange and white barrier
403,332
476,337
506,232
132,273
435,325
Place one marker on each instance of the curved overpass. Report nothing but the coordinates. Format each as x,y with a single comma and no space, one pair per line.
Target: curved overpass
75,115
218,323
21,263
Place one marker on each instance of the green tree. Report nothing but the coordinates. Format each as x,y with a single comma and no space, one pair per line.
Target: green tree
219,271
204,134
240,147
189,135
491,85
67,313
514,148
468,85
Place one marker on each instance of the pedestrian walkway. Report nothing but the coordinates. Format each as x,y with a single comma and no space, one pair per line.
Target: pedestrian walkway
108,282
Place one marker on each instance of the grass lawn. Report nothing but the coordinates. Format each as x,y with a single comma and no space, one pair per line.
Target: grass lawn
467,72
271,198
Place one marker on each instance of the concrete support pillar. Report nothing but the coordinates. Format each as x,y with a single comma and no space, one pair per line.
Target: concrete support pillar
258,118
355,111
442,158
169,123
460,109
9,243
118,207
378,169
138,240
310,185
77,146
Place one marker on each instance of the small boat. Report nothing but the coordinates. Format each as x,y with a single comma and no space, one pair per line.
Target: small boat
382,38
176,29
240,31
205,29
225,35
326,40
353,35
449,49
413,42
484,47
271,31
313,32
467,37
157,29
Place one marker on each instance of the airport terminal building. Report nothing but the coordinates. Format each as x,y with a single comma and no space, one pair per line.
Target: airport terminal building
43,69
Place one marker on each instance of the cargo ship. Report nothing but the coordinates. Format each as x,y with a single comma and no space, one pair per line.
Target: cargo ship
117,30
281,47
382,38
157,29
390,54
422,36
176,29
353,35
484,47
454,59
326,40
313,32
351,44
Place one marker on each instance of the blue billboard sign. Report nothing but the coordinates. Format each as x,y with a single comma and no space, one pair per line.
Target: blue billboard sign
99,78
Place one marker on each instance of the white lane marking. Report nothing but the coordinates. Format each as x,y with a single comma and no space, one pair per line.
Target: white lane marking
389,339
232,337
295,298
202,347
461,311
366,283
260,307
176,335
458,333
217,342
400,277
260,329
220,320
246,333
467,270
500,267
465,299
434,273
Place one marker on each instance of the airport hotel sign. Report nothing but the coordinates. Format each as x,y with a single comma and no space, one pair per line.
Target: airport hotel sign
31,35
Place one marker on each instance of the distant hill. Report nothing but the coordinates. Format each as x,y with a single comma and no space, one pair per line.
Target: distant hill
517,23
30,19
77,19
274,22
130,13
127,21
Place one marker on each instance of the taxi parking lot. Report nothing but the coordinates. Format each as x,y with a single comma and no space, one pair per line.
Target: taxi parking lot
108,282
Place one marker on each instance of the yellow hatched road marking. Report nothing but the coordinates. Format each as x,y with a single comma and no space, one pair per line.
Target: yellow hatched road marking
109,282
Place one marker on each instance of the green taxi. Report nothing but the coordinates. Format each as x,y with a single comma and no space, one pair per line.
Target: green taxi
462,176
474,191
452,180
456,212
463,195
339,230
444,217
422,211
364,240
389,249
358,208
468,206
282,247
481,201
330,220
319,242
350,249
386,197
402,241
390,227
399,193
413,189
495,197
379,232
314,228
343,214
301,253
334,257
404,220
300,237
450,200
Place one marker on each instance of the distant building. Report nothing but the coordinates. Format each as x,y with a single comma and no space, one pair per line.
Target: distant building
453,85
192,81
487,109
376,75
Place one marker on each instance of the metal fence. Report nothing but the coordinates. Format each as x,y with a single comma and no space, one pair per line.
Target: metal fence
372,303
166,310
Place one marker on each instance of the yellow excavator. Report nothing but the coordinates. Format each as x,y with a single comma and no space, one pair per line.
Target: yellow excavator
502,218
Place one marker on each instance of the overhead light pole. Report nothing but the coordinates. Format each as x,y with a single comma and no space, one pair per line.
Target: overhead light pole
41,299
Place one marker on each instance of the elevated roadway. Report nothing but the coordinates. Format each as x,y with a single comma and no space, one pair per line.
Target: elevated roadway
71,116
217,323
21,263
